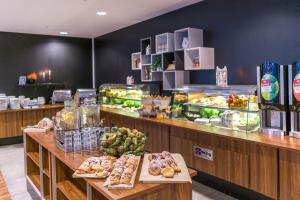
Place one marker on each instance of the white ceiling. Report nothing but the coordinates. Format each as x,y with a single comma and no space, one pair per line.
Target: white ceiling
78,17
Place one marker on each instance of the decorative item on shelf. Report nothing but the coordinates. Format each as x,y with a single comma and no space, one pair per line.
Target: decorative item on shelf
156,66
129,80
221,76
148,75
171,66
32,77
137,63
196,63
45,75
185,43
148,49
22,80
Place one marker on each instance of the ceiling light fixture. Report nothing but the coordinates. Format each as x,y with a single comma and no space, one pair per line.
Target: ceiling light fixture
63,33
101,13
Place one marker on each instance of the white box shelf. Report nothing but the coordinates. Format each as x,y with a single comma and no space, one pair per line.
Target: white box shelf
157,62
164,43
148,76
136,61
194,38
175,79
199,58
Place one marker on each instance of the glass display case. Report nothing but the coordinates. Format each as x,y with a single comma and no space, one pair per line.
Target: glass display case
121,96
232,107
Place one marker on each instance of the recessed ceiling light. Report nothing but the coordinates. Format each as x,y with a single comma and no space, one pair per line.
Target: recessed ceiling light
101,13
63,33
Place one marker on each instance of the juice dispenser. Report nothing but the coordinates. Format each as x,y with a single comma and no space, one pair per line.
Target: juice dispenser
272,84
294,98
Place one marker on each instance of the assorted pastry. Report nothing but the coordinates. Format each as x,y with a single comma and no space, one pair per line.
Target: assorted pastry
97,166
162,164
123,171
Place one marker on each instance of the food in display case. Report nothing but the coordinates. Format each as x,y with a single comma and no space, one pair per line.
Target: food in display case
156,107
90,116
127,97
231,107
95,167
67,118
121,141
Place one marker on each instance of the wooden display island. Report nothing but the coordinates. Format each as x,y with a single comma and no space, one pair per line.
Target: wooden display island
49,171
269,165
11,121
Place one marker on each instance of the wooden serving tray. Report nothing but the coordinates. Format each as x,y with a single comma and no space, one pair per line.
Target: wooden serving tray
124,186
181,177
93,175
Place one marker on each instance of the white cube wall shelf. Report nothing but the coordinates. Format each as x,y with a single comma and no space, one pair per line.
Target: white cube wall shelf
175,79
136,61
194,38
164,43
154,76
199,58
146,59
143,46
158,56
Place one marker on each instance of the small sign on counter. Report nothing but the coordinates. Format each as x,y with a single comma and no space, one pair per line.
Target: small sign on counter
204,153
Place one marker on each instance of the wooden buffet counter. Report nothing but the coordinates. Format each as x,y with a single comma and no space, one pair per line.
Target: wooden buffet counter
50,170
269,165
11,121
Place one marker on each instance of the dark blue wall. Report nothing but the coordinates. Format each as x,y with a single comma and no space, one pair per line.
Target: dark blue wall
244,33
70,59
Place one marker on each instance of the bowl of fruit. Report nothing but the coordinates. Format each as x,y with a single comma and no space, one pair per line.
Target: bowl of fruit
237,101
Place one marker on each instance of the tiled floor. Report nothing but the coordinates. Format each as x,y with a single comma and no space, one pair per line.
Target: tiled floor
12,168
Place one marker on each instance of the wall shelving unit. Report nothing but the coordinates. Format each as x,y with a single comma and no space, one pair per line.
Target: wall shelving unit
176,56
136,61
175,79
164,43
199,58
194,38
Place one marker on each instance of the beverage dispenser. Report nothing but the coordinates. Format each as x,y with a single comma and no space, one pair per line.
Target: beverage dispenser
272,84
294,98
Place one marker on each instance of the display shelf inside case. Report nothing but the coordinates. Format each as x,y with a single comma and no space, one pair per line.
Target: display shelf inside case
123,96
199,58
164,42
231,107
187,38
145,60
174,79
136,61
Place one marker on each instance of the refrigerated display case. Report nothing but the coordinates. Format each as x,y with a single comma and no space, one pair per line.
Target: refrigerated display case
232,107
121,96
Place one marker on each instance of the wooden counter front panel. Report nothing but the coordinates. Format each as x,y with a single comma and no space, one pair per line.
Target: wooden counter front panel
157,134
10,124
111,119
264,170
32,117
158,139
230,159
289,169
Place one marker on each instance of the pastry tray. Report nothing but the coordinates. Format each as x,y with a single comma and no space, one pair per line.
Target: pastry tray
87,175
93,175
124,186
181,177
